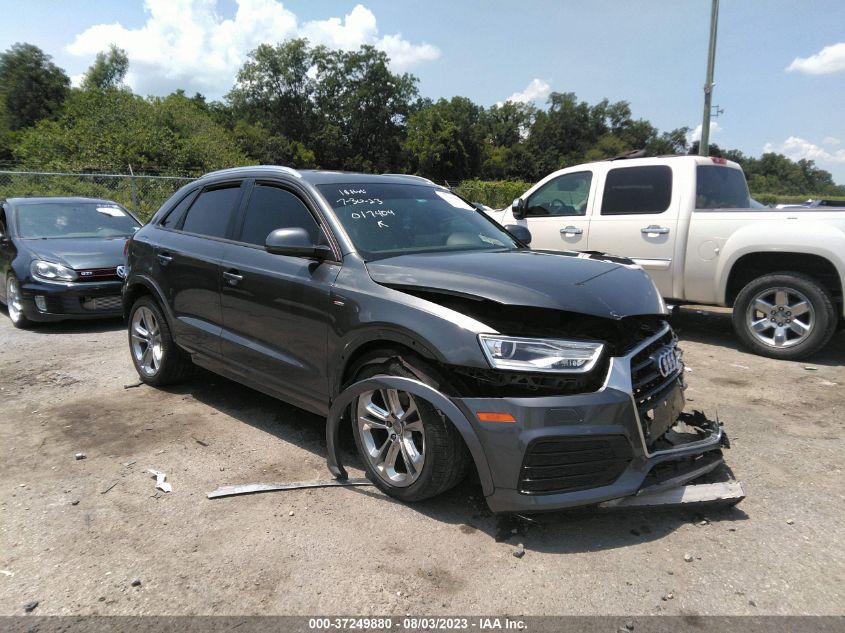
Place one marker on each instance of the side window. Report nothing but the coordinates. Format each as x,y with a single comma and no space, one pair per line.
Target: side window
174,216
637,190
210,213
565,195
272,208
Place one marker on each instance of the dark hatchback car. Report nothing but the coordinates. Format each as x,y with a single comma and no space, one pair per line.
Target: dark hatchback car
62,258
391,304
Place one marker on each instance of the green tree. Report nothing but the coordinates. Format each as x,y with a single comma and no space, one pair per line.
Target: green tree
108,70
445,139
32,87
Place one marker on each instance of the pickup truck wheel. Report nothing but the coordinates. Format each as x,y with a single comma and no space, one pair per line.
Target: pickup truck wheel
784,315
410,450
157,358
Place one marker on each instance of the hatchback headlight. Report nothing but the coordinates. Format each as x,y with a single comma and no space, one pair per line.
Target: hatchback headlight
48,271
540,354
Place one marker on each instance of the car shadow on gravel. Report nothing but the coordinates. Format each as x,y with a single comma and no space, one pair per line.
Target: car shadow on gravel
85,326
464,508
713,326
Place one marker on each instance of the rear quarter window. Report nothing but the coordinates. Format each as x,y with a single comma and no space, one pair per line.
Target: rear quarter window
637,190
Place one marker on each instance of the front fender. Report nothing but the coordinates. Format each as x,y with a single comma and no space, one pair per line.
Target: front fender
455,415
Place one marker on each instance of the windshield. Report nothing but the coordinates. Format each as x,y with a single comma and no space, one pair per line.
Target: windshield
74,219
384,220
720,187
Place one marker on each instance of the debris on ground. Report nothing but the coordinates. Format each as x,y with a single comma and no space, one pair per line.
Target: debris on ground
29,607
519,552
811,368
133,385
75,502
245,489
199,441
790,521
109,487
79,456
161,480
136,582
128,464
688,558
6,572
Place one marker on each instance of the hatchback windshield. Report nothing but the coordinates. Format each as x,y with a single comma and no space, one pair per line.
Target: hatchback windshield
384,220
74,219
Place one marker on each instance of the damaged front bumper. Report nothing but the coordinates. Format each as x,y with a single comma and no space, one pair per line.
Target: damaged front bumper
626,439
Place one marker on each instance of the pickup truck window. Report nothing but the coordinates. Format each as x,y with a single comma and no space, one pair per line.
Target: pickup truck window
637,190
718,187
565,195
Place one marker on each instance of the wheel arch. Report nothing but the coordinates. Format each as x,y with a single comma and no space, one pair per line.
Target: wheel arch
750,266
140,286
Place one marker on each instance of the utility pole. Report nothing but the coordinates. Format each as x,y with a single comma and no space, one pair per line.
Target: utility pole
704,143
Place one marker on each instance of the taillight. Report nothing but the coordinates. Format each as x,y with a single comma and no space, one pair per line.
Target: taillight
719,160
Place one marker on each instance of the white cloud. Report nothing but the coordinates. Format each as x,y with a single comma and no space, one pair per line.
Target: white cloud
695,135
830,140
829,60
797,148
537,89
187,44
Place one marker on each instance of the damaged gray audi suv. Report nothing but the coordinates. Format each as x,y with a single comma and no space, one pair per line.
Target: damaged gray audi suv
392,305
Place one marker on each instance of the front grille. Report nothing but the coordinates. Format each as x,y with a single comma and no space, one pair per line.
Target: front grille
567,464
102,304
97,274
650,387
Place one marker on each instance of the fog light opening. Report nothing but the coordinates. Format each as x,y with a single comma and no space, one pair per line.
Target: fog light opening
41,303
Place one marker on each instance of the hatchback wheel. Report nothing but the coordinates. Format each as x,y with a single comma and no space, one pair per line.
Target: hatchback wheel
410,450
157,358
785,315
14,303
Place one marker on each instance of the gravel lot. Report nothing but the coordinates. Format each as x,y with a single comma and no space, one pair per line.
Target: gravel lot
76,533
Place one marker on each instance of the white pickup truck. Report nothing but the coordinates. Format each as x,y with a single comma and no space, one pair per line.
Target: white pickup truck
687,221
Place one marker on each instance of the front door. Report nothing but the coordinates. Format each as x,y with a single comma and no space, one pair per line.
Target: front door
276,308
556,214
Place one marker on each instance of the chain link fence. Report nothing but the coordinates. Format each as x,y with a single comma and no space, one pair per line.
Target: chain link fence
142,194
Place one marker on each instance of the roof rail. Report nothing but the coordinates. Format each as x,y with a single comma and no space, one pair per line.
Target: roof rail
423,178
238,170
634,153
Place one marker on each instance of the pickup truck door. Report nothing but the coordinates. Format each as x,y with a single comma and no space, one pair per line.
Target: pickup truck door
556,213
636,216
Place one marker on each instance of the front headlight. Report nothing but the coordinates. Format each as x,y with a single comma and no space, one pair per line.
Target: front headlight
540,354
48,271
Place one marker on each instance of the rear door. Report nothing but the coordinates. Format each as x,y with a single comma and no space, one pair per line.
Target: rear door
187,261
636,216
557,212
276,309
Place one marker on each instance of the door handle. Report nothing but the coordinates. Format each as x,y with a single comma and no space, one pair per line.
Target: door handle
233,277
164,258
571,230
653,228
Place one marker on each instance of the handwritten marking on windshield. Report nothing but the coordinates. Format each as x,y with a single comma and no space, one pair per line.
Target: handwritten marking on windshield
352,192
371,213
382,225
354,201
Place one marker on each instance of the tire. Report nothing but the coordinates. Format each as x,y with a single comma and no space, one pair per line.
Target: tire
785,315
445,458
13,304
157,358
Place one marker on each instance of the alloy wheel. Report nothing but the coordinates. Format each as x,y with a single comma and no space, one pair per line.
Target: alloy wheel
780,317
13,300
146,341
393,435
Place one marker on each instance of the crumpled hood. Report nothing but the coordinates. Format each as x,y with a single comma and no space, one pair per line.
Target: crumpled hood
569,281
80,253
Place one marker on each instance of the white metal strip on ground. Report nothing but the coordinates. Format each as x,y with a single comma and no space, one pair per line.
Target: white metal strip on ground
728,493
245,489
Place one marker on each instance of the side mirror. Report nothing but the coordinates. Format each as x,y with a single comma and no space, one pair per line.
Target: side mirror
519,232
294,242
519,208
